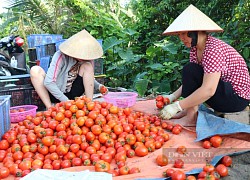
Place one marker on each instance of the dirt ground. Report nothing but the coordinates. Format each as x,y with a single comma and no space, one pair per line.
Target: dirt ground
240,169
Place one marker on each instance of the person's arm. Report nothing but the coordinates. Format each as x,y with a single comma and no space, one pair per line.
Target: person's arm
51,76
207,90
202,94
177,93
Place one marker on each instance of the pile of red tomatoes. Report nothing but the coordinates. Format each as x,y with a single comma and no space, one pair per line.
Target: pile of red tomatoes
80,132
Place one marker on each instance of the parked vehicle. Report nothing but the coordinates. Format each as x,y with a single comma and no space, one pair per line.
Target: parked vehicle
12,56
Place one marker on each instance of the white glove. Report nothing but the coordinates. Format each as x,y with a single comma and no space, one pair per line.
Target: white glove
171,97
170,110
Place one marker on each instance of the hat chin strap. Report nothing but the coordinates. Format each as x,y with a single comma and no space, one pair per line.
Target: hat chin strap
194,36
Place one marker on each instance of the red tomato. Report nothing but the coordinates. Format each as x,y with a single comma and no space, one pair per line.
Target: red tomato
222,170
227,161
107,157
178,163
206,144
124,170
159,98
4,172
134,170
216,141
159,104
141,151
168,172
161,160
4,144
102,166
208,168
178,175
181,150
103,90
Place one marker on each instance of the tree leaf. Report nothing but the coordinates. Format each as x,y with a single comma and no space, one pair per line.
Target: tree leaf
141,86
111,42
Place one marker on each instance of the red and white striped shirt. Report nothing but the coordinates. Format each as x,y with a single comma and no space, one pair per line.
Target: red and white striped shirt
221,57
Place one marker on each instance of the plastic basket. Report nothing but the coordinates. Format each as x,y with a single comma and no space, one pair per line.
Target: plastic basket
121,99
19,113
4,114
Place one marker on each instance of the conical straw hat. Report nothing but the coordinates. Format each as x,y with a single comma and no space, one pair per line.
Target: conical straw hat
192,19
82,46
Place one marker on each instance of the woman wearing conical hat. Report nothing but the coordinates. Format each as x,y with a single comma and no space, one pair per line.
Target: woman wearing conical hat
71,73
216,74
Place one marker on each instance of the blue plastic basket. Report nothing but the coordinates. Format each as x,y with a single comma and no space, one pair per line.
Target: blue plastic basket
44,63
4,114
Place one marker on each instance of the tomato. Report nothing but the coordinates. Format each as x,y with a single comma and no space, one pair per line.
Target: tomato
86,162
65,164
18,155
13,168
176,130
181,150
178,163
113,110
178,175
53,124
141,151
74,148
206,144
43,149
76,161
111,151
68,114
80,103
216,141
191,177
47,140
4,172
226,160
113,172
134,170
73,108
130,153
102,166
103,90
4,144
37,163
161,160
90,150
2,155
56,164
96,129
222,170
118,129
150,144
61,150
120,157
166,100
208,168
107,157
159,104
59,116
131,139
25,165
77,139
168,172
159,98
124,170
47,166
69,156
